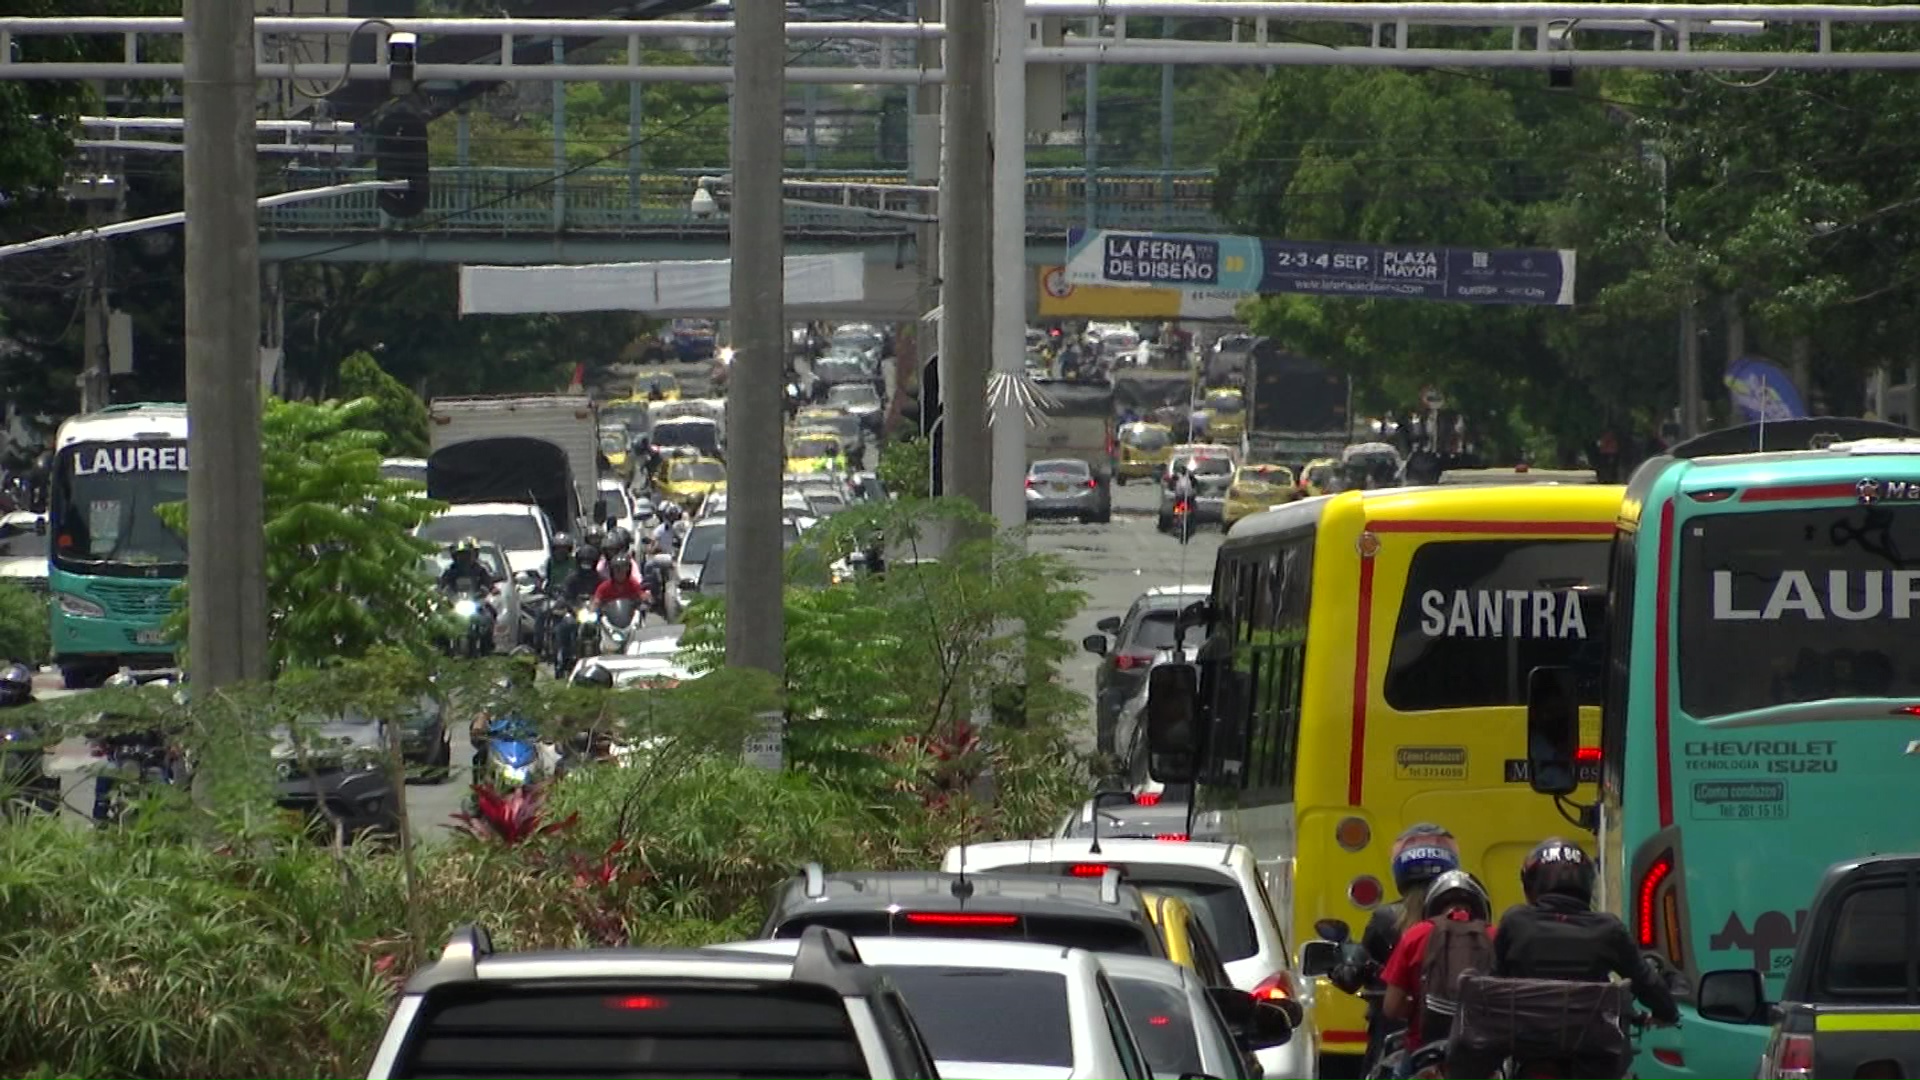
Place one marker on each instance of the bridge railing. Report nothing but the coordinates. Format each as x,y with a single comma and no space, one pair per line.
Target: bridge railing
498,201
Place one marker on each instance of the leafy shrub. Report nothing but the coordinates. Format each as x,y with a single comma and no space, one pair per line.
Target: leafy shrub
24,625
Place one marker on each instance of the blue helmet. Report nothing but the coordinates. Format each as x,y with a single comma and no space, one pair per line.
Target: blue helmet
1423,859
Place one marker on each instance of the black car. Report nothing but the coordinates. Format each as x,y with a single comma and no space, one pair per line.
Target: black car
425,740
1851,1005
1099,914
332,775
1139,638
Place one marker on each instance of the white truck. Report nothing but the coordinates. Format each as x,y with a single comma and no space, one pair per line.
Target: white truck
538,448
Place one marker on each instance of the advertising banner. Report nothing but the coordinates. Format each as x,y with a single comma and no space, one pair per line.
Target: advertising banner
1249,264
1060,299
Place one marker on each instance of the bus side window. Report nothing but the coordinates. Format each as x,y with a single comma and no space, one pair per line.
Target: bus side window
1619,672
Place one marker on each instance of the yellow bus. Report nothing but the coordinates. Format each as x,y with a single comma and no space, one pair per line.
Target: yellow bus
1364,667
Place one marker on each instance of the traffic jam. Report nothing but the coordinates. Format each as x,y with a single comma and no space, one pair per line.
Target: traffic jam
1441,768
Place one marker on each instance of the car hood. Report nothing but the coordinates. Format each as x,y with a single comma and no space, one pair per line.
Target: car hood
526,559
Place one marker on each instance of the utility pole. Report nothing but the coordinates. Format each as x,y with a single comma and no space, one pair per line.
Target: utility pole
966,273
926,156
104,199
756,636
1689,369
1010,272
226,542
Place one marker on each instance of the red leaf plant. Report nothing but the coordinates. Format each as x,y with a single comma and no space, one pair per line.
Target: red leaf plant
509,819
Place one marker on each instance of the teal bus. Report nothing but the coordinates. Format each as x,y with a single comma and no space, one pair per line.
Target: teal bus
112,563
1761,714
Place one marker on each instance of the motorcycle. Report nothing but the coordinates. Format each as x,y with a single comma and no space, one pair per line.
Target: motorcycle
620,622
1183,520
515,756
476,617
657,575
25,783
567,628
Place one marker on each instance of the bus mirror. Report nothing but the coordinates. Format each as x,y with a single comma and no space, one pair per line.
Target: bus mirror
1553,730
1173,728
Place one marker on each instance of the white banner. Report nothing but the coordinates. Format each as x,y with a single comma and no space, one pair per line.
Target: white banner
668,288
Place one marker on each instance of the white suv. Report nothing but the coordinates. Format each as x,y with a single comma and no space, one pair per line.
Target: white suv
1220,882
992,1009
817,1012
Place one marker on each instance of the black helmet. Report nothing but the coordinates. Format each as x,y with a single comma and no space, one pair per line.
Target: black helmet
594,675
619,567
1558,867
562,545
586,557
16,685
466,545
1457,887
596,537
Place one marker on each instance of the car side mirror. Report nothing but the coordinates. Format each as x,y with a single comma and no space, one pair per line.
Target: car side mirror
1334,930
1173,723
689,584
1108,625
1553,730
39,526
1732,996
1319,958
1256,1025
1095,644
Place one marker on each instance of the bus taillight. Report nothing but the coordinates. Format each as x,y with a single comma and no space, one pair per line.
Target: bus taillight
1649,889
1657,909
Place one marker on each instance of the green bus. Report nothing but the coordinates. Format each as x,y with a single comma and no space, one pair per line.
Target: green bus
1761,714
112,563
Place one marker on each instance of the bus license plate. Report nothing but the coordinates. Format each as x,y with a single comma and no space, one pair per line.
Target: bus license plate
150,637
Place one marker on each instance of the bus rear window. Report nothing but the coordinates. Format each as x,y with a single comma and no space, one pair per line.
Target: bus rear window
1479,615
632,1030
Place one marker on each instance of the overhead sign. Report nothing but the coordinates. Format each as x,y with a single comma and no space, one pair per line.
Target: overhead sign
1061,299
1319,268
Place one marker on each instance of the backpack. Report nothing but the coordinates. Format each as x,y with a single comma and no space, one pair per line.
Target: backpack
1456,947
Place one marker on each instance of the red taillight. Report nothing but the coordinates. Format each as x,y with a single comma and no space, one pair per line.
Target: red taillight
1092,483
1275,987
1792,1058
1176,836
1588,753
1158,1021
1670,1058
1029,481
1649,892
636,1002
1147,798
1716,495
1129,661
1087,869
960,918
1365,891
1907,710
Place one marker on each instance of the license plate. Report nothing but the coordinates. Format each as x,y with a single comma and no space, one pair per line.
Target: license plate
295,818
149,637
1059,489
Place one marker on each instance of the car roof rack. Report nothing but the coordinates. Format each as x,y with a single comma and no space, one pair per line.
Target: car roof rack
827,957
1777,436
816,876
459,960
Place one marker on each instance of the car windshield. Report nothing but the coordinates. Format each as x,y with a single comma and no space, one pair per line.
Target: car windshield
613,442
710,535
841,363
988,1014
395,470
1798,605
513,532
853,395
629,416
105,501
1210,466
713,572
1266,474
1227,403
1156,629
704,472
489,557
18,540
813,448
658,381
826,501
1162,1023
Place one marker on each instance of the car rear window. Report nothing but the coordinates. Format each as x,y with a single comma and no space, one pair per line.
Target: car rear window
1162,1023
632,1030
1060,468
1156,631
1093,934
1215,898
1865,959
989,1014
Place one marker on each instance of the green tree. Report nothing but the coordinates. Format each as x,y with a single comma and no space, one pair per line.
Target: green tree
395,411
344,571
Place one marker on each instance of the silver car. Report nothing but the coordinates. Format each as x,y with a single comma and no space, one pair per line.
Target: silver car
1065,488
1212,474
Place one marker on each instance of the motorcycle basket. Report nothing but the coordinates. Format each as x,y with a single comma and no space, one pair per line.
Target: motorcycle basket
1539,1020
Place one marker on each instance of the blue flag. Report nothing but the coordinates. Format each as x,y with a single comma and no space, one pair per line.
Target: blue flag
1762,391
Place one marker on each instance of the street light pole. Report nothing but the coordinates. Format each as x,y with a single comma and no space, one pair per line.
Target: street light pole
755,567
1010,273
226,541
966,273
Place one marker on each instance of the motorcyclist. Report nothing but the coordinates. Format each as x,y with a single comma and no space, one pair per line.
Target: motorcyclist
666,537
577,588
559,560
621,584
1556,934
466,570
518,677
1420,855
656,573
1456,898
116,741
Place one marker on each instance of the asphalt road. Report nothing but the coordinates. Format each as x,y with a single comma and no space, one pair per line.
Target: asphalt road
1117,561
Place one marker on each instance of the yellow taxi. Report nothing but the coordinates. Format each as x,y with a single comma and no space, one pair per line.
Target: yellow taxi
1226,413
615,447
656,386
688,480
1188,943
1256,488
1318,477
813,452
1144,450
